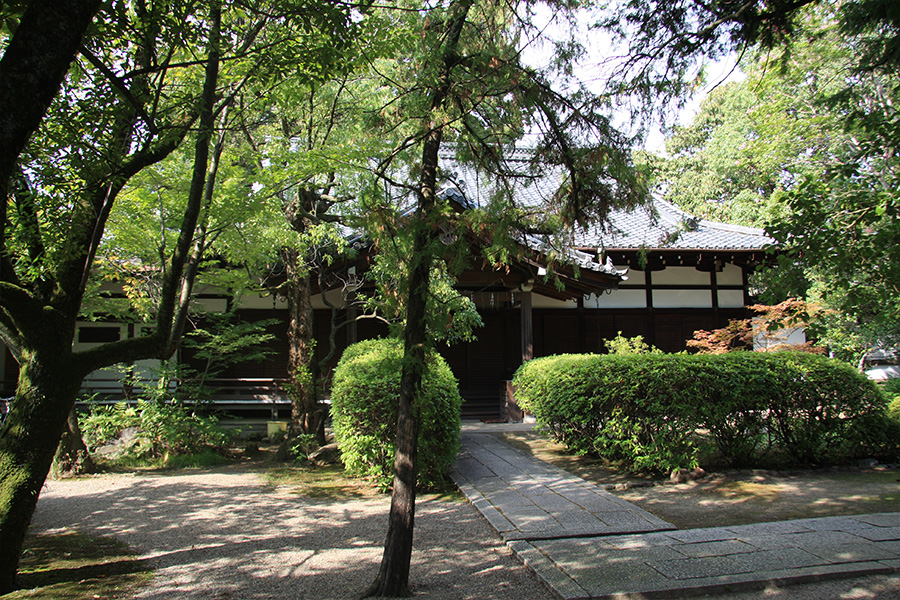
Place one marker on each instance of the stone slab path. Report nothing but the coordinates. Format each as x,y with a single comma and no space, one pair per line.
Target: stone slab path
586,543
528,499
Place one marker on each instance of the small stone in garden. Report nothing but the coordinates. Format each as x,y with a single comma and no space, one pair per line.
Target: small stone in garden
683,475
327,454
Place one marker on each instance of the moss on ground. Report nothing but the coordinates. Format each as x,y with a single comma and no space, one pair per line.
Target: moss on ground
73,566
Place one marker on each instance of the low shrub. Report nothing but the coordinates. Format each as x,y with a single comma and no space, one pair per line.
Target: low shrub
660,412
200,460
823,410
894,409
891,389
364,413
158,430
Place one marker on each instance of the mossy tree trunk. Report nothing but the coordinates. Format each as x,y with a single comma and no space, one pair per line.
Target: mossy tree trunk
45,395
72,456
306,209
38,318
34,63
307,416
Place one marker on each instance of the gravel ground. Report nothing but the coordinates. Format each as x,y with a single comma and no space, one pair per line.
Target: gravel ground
226,534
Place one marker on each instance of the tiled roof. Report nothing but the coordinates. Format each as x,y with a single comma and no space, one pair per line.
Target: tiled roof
661,225
470,189
665,226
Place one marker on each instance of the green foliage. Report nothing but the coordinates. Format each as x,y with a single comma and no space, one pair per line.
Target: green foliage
634,345
304,445
894,408
451,317
647,410
158,431
891,389
807,147
669,44
197,460
218,341
753,138
364,413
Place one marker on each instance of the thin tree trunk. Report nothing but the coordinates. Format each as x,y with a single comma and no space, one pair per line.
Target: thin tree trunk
393,576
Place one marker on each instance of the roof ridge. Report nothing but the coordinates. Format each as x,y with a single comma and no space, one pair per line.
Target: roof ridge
712,224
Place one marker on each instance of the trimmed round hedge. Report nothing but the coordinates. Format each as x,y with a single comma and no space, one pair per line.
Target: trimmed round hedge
364,397
661,412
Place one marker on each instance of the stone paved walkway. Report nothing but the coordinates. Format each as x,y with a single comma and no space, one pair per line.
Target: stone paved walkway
586,543
527,499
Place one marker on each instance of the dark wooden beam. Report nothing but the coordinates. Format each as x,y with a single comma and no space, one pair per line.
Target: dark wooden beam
527,328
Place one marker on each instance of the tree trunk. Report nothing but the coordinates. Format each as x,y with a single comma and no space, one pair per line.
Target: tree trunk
33,65
50,373
45,396
307,416
393,576
72,456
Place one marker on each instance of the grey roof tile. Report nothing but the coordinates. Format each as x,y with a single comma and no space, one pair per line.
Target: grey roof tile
665,226
661,225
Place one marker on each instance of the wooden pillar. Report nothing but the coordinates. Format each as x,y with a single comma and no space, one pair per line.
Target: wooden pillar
582,326
527,328
352,331
745,282
651,319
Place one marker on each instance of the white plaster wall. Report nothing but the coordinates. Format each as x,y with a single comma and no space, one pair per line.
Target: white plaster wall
680,276
731,298
681,298
107,378
259,302
112,287
218,305
730,275
147,369
618,299
335,297
883,372
634,277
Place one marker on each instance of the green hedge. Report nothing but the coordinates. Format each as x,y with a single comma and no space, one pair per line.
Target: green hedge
891,388
661,412
364,413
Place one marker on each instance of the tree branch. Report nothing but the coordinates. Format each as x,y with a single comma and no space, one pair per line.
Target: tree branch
119,84
32,68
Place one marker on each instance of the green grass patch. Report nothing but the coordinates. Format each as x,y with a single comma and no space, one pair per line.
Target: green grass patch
199,460
332,483
329,482
73,566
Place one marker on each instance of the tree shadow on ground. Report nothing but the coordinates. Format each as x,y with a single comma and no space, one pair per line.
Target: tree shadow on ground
222,534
